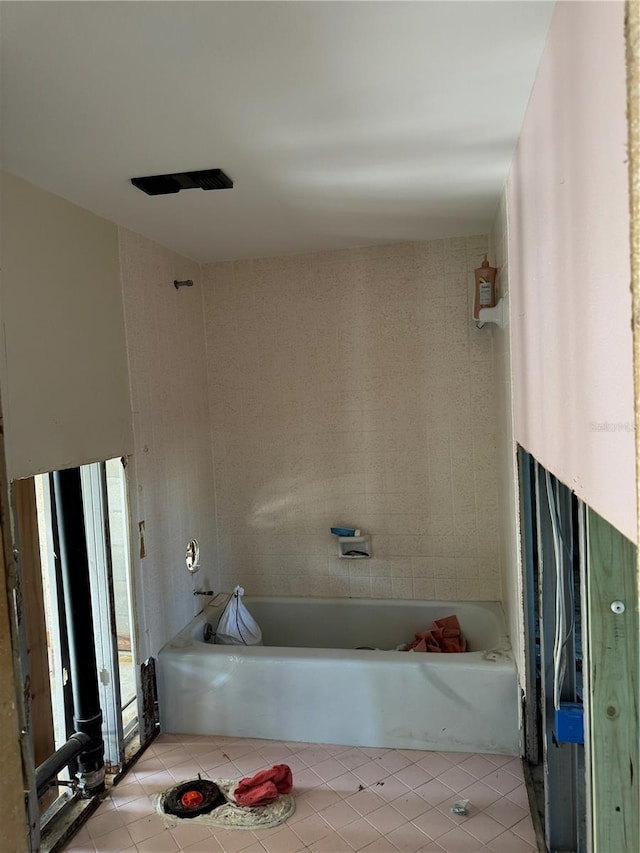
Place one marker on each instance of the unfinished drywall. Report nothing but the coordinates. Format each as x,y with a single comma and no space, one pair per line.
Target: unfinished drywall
569,265
63,361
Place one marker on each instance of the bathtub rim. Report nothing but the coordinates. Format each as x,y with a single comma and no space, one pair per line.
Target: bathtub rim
500,654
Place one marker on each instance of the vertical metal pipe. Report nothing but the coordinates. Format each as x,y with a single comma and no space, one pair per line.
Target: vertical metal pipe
87,716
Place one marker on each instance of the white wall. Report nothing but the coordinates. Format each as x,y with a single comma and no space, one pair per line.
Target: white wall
66,387
171,475
569,264
352,388
508,494
63,359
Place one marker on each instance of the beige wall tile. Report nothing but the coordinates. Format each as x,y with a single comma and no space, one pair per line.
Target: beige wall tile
381,587
352,388
360,587
446,590
171,469
401,588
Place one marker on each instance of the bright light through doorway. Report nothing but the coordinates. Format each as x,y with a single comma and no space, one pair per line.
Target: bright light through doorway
117,617
121,567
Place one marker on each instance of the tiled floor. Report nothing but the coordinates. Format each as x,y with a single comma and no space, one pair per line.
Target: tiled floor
347,799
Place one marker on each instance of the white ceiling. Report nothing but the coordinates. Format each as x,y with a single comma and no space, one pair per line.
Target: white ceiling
341,123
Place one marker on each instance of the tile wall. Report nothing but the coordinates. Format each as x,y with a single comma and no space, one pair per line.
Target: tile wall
352,388
171,473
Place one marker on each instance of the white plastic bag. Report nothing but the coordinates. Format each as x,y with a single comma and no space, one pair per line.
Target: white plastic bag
236,626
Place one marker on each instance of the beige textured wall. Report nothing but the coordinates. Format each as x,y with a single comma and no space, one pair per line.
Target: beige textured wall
63,356
352,388
171,475
508,496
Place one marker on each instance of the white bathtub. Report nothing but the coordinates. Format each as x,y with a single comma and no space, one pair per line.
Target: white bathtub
310,681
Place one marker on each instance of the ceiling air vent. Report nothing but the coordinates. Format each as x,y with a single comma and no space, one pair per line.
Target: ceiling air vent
206,179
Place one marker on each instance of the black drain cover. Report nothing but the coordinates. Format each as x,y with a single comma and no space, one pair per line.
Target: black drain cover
189,799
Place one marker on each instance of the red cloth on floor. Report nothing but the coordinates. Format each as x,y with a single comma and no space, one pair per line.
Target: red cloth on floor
265,787
443,636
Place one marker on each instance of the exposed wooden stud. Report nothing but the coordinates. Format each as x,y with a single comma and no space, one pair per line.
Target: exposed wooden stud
613,688
38,700
16,835
24,495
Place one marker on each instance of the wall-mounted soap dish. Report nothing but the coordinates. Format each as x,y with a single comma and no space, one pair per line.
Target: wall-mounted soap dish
354,547
492,315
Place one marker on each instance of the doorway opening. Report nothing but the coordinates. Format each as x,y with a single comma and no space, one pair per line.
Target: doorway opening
56,680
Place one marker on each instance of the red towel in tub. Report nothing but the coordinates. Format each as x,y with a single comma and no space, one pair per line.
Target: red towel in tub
265,787
443,636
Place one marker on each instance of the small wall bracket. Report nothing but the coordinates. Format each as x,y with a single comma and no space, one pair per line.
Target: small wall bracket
491,315
187,283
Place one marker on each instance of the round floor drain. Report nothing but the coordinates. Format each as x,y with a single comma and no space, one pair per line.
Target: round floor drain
190,799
